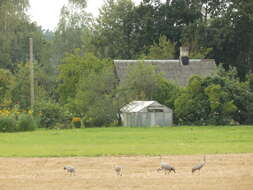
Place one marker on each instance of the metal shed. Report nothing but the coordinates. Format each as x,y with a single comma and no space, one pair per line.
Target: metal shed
146,114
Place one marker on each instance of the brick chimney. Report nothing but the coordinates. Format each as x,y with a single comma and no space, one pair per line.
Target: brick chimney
184,55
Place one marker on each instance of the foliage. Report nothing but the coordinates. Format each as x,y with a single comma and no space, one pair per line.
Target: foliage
114,30
26,122
142,82
165,49
81,3
240,93
74,30
6,80
74,67
17,120
218,99
50,114
76,122
220,103
94,100
192,106
12,15
167,93
7,123
20,89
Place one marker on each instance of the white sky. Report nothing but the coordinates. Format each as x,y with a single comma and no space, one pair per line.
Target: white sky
46,12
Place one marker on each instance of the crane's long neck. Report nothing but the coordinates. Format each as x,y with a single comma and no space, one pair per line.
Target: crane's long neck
160,158
204,159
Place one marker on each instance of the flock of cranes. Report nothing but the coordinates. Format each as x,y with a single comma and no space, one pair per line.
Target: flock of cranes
164,166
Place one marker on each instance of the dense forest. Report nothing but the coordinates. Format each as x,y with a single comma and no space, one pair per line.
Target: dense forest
73,65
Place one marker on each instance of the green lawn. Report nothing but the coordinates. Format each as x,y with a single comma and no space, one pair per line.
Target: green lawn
127,141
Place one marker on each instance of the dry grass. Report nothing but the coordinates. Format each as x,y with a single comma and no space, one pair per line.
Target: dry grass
232,171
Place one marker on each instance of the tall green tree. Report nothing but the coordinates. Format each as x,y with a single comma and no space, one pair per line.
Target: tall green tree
114,30
95,98
74,30
12,15
75,66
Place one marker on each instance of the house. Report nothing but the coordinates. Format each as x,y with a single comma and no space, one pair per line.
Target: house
177,70
146,114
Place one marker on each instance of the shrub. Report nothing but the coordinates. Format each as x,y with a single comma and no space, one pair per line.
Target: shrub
50,114
76,122
26,123
7,124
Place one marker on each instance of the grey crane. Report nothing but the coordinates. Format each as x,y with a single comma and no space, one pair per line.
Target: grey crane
199,166
70,169
118,170
166,167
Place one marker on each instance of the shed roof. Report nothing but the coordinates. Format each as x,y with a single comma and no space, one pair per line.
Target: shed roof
136,106
172,69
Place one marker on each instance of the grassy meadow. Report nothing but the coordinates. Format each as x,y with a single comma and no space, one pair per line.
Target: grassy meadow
128,141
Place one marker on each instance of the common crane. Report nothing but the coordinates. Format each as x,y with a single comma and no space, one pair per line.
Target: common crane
70,169
118,170
166,167
199,166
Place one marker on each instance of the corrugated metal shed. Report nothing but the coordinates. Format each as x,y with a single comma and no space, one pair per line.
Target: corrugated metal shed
146,113
138,106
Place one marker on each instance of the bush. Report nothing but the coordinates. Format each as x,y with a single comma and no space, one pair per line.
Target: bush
76,122
26,123
50,114
7,124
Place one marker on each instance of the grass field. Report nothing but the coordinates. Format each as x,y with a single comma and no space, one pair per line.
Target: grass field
128,141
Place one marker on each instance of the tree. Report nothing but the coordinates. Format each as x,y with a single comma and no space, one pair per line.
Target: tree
20,90
192,105
114,30
74,30
167,93
165,49
95,97
228,35
12,14
6,81
141,83
239,92
73,68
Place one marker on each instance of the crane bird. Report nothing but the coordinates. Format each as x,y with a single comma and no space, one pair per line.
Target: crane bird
166,167
118,170
199,166
70,169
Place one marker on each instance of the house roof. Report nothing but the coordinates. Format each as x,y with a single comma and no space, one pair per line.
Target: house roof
136,106
172,69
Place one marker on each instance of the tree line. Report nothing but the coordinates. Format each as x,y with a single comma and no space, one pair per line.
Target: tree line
74,73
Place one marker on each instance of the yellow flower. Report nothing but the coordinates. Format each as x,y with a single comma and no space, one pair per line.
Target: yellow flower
76,119
30,112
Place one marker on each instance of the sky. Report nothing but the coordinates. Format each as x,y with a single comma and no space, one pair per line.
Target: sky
46,12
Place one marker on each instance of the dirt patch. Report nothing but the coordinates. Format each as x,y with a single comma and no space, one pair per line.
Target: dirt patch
221,172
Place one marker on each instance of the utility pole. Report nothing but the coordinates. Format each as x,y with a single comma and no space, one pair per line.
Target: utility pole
31,72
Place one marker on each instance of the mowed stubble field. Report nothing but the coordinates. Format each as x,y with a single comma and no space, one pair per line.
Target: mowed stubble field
222,172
